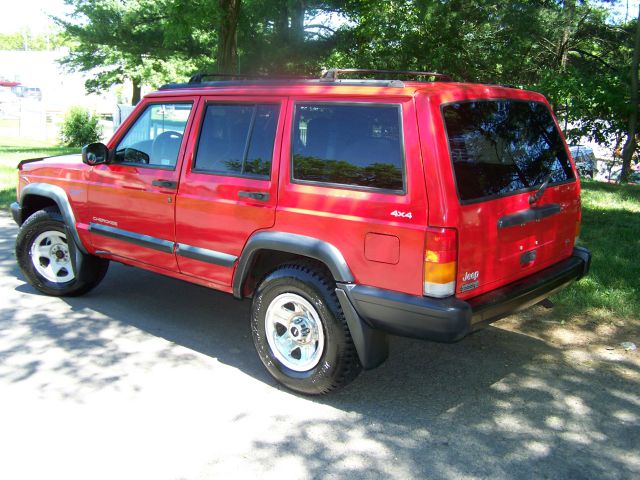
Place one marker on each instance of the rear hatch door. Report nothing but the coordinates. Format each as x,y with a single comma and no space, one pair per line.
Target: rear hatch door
517,190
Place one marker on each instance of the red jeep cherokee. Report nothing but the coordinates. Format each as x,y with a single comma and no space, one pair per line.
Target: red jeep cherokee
348,209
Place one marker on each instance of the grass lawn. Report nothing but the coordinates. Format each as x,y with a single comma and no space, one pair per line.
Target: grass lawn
12,150
610,229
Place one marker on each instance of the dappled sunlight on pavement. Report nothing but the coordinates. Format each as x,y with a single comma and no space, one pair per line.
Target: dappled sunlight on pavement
149,377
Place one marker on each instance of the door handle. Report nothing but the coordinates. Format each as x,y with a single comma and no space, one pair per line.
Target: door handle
165,184
260,196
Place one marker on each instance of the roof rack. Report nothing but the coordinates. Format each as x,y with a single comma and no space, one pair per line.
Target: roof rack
331,75
197,78
327,76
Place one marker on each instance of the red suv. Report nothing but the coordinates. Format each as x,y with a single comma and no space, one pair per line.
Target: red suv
347,209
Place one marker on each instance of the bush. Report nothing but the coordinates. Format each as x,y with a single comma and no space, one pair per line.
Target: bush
80,127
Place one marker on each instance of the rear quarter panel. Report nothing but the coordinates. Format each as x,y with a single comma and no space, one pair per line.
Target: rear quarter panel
350,219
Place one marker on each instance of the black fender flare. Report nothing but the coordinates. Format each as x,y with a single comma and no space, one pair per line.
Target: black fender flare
371,345
59,196
291,243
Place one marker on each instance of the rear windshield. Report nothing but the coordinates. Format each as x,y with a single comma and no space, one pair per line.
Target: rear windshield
500,147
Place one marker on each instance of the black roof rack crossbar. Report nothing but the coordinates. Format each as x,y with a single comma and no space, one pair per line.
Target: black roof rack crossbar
331,74
197,78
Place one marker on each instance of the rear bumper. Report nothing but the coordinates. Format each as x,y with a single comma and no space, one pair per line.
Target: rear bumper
450,319
16,212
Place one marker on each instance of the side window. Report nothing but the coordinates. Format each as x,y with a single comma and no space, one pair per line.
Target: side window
237,140
155,137
350,145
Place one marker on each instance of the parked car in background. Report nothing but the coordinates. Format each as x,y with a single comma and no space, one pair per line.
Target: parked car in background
584,159
634,177
28,92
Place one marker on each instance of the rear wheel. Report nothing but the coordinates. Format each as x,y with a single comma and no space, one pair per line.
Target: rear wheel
49,260
300,332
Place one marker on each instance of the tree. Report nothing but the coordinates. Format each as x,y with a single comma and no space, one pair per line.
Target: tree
594,92
50,39
631,144
227,54
286,36
133,40
568,49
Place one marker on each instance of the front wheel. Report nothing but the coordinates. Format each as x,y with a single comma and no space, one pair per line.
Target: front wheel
300,332
50,262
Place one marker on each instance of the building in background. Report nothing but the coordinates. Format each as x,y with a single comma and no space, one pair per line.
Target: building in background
41,92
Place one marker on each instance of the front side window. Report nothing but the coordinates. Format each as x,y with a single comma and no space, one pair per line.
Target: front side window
500,147
348,145
155,137
237,140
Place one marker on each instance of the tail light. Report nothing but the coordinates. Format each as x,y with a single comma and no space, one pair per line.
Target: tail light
440,258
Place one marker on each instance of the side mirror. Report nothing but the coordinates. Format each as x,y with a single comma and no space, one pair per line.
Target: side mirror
95,153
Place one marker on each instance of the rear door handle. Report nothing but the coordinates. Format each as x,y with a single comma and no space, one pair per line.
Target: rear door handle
165,184
529,215
260,196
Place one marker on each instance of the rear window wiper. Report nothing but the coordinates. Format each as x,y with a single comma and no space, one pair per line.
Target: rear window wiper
535,196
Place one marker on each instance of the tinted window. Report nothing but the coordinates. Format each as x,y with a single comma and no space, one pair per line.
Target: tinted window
155,137
237,140
348,145
500,147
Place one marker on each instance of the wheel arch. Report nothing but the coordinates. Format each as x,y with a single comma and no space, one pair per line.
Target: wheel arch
37,196
282,246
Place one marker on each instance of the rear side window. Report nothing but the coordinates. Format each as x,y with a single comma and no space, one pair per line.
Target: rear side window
500,147
348,145
237,140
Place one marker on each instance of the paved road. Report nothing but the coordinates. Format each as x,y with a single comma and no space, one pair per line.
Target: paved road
151,378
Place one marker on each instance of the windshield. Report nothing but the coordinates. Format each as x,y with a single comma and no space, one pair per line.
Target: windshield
502,147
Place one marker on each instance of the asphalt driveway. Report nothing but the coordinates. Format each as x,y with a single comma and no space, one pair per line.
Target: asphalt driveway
148,377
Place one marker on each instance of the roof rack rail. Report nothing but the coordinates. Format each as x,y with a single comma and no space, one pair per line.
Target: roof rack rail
331,75
197,77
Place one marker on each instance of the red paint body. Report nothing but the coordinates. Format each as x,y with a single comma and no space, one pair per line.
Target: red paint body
381,250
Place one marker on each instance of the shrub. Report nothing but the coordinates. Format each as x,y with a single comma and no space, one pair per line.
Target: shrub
80,127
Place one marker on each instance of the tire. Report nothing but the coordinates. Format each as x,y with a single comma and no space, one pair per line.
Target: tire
300,332
46,257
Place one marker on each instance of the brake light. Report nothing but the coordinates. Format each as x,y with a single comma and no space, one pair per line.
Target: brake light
440,257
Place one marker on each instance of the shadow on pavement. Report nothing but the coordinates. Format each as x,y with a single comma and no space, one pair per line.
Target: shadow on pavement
498,403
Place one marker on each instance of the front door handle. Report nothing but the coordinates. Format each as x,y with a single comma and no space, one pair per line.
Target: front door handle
165,184
260,196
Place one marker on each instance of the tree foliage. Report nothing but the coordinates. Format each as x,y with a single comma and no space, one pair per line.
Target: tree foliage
27,40
144,41
571,50
80,127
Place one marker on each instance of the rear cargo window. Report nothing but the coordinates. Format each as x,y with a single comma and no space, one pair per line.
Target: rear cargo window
348,145
501,147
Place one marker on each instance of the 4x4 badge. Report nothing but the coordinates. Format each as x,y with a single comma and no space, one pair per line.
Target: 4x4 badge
399,214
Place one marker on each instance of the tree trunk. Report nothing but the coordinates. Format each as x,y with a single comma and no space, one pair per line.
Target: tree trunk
281,22
227,54
137,88
630,145
297,22
565,40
